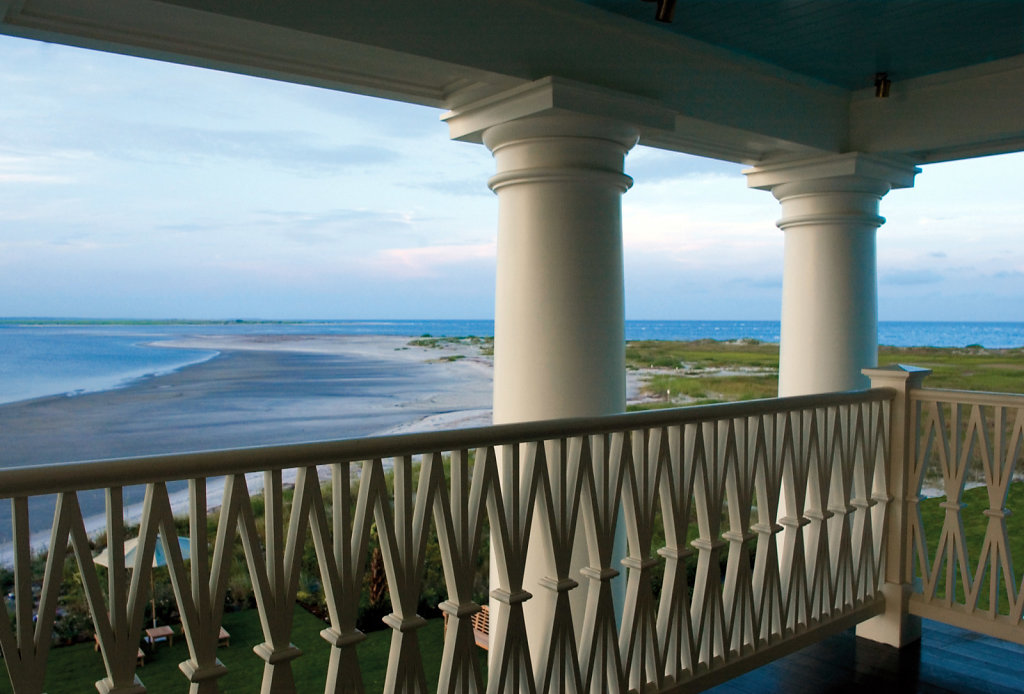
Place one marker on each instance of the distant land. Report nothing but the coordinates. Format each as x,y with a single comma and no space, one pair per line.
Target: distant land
155,321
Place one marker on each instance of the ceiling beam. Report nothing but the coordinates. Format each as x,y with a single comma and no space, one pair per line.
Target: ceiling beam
969,112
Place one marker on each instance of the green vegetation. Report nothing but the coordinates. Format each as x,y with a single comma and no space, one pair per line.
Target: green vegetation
483,345
701,354
703,390
975,523
970,368
74,669
708,371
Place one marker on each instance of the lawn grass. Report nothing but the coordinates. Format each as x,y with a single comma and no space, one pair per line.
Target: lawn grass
975,523
75,669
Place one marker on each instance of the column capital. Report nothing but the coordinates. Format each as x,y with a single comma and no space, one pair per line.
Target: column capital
852,172
604,112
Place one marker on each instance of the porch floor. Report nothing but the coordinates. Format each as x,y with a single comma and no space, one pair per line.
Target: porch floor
947,660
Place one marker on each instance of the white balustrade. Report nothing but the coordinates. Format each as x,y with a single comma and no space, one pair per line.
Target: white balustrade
767,576
962,440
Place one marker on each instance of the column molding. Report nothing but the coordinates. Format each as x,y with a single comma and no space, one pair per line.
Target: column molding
556,95
895,172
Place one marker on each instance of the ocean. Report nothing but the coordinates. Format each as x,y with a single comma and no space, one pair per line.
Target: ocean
38,360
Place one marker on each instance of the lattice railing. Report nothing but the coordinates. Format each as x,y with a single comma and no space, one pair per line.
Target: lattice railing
761,522
967,448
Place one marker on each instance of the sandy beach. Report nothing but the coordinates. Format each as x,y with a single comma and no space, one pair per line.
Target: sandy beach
259,390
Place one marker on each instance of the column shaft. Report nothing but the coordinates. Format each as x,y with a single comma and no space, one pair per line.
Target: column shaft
559,347
829,288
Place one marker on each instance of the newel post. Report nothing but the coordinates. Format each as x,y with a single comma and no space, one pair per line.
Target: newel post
896,627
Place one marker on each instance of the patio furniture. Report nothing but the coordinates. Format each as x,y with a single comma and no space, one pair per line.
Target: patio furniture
160,633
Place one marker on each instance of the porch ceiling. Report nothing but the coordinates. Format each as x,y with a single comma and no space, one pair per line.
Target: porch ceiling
747,81
846,43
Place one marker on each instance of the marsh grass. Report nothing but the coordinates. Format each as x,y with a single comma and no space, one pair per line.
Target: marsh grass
693,369
970,368
701,354
710,389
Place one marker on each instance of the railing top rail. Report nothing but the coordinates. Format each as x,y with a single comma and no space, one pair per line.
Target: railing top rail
49,479
967,397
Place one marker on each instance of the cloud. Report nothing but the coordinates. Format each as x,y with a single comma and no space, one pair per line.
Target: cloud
648,166
311,227
289,150
34,170
911,277
431,261
33,178
755,282
82,136
465,186
392,119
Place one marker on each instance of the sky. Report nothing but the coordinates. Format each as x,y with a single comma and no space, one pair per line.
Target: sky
132,188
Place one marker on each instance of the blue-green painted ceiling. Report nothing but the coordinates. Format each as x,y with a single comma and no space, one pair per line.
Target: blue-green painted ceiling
846,43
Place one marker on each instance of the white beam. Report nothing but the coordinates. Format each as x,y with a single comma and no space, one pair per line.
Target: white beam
962,113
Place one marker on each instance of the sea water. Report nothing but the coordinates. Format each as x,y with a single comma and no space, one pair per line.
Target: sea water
38,360
68,360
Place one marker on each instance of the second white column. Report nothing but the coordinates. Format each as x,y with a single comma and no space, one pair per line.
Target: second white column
829,330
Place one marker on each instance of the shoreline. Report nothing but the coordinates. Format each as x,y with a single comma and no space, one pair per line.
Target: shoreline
259,390
442,386
102,384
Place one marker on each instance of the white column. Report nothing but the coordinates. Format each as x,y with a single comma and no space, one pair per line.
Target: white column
559,344
559,328
829,286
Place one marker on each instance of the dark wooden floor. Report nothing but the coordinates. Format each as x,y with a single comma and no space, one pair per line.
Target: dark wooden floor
948,660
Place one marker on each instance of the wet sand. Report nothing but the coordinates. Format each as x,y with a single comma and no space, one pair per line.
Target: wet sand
260,390
257,392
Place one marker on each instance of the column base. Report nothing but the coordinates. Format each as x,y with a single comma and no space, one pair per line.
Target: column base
894,627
